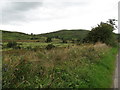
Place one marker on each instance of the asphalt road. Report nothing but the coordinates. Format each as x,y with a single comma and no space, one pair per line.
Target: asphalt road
116,83
118,69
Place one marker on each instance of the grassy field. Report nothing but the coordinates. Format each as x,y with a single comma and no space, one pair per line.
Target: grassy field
76,66
37,45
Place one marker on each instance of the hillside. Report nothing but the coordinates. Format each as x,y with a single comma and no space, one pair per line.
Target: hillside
65,34
8,35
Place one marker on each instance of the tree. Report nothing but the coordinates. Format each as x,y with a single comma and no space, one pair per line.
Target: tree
112,22
102,33
49,39
32,34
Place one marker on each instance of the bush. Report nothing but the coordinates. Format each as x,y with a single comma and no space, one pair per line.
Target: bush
64,41
49,46
48,40
11,44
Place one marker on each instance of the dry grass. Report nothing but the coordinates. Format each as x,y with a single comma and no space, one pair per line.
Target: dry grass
54,56
52,64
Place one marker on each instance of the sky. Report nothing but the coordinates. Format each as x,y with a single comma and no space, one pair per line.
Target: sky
43,16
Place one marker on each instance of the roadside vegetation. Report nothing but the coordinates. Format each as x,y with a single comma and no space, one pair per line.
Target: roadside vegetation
58,60
84,66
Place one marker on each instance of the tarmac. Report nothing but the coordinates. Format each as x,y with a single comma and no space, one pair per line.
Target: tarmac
116,82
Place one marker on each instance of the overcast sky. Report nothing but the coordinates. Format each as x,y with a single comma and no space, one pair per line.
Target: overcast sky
41,16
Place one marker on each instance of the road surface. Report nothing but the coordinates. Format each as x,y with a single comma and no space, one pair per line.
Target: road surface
116,83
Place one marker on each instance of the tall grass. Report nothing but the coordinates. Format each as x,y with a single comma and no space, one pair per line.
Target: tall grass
85,66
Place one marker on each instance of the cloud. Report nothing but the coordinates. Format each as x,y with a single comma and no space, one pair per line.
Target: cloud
66,3
40,16
53,9
15,11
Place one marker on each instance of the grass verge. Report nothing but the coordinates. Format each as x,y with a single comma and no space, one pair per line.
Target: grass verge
103,71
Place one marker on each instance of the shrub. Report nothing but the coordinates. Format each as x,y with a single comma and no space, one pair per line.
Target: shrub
49,46
11,44
48,40
64,41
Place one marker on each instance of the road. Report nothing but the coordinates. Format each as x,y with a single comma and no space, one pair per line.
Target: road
116,83
119,69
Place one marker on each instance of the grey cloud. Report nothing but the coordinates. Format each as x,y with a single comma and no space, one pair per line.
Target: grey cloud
14,11
66,4
24,6
74,3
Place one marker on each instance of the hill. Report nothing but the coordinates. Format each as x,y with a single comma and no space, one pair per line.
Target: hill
64,34
9,35
67,34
